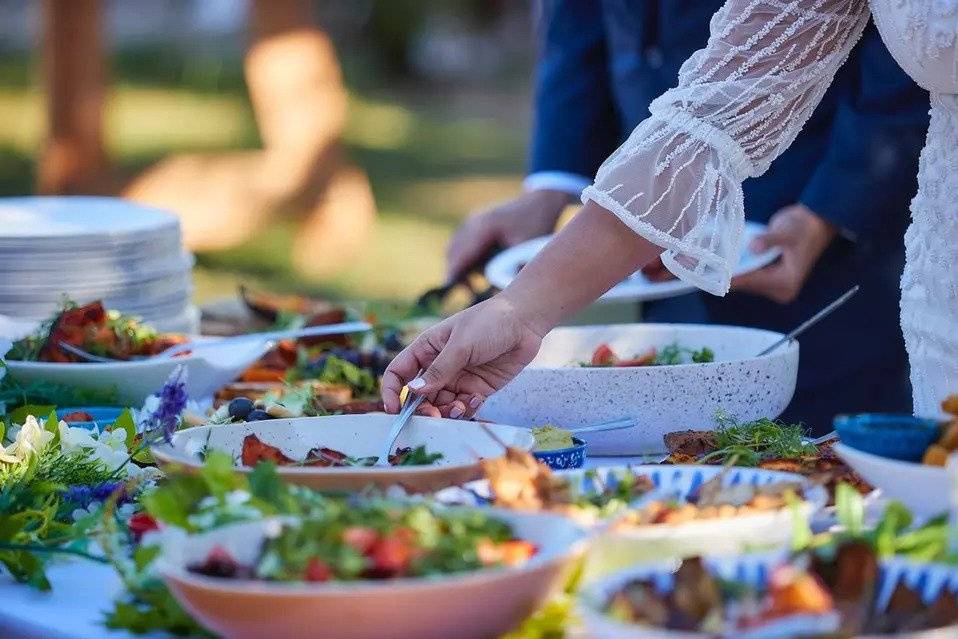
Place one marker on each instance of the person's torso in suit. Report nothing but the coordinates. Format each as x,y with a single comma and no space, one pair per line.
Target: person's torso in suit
855,161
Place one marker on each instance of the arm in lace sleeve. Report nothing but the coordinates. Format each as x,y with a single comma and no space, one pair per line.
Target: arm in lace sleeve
740,101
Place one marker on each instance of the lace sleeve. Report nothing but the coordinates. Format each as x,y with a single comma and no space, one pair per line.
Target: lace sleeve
740,101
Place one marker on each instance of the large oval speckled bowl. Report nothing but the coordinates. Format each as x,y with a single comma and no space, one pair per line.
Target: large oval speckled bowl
461,444
554,389
479,604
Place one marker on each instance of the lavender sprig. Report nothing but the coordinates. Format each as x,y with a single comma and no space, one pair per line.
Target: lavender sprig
81,496
173,398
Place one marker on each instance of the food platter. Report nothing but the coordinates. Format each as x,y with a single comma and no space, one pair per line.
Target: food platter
927,581
480,604
460,443
502,269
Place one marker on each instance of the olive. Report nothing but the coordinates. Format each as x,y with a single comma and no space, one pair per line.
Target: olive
240,407
257,415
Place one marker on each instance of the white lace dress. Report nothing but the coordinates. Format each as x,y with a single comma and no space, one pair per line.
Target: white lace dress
741,101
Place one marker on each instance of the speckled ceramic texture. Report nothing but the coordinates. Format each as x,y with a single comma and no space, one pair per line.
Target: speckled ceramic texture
473,605
554,389
461,444
564,458
929,579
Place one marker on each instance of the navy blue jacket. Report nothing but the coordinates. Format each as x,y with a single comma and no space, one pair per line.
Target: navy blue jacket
855,162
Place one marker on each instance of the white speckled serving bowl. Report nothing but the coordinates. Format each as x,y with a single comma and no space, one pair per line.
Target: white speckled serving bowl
554,389
472,605
460,442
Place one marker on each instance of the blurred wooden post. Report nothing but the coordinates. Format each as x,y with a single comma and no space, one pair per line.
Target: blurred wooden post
73,160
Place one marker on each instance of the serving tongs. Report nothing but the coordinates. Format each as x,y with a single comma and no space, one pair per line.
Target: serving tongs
437,296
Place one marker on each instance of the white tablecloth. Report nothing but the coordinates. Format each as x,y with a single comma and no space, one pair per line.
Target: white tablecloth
83,590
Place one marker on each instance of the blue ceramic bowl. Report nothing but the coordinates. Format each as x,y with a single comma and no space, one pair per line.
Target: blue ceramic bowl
102,415
563,458
900,437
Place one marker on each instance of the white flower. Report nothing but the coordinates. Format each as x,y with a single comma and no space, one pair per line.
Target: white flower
108,447
31,439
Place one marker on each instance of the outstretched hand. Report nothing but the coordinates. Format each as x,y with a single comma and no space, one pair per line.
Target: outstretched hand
464,359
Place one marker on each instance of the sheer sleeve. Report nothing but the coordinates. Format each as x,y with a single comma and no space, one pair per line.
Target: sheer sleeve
739,103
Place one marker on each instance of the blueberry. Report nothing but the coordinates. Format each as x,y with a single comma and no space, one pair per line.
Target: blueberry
240,407
257,415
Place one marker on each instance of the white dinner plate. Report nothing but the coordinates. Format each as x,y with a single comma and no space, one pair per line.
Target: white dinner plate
501,269
99,221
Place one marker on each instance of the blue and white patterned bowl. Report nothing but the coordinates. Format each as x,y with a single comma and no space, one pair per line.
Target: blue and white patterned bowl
618,548
928,579
563,458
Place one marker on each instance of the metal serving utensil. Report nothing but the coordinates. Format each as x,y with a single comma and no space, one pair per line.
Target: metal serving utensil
615,424
811,321
405,414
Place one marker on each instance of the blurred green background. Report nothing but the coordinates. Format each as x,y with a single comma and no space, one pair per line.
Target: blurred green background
435,139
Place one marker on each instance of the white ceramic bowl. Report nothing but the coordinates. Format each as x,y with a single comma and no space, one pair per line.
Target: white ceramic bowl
929,579
135,380
553,389
924,489
480,604
461,444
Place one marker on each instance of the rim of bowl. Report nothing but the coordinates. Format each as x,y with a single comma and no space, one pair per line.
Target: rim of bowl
786,348
577,444
873,458
578,547
169,454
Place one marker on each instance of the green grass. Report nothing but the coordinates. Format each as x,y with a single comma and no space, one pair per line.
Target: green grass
431,157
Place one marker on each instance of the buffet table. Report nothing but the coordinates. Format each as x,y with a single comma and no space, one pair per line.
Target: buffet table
82,591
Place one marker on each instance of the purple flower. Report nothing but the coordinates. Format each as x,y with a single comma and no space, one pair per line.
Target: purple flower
81,496
173,397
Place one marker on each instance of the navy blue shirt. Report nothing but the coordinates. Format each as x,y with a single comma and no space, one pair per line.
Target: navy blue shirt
855,163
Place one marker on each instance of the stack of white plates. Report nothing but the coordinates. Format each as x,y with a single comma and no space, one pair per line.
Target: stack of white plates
94,248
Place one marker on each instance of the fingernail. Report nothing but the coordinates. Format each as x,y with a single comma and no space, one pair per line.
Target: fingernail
455,412
417,383
475,401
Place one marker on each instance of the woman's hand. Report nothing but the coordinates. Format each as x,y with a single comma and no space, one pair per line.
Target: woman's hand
477,351
465,358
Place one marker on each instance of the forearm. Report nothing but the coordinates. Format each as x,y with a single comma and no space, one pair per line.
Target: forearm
592,253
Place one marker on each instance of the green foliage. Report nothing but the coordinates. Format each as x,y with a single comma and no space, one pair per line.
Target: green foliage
149,608
34,525
16,393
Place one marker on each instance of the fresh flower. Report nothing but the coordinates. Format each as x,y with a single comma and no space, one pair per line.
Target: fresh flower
164,416
109,447
31,439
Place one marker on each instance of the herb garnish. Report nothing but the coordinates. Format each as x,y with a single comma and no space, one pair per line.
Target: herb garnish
749,443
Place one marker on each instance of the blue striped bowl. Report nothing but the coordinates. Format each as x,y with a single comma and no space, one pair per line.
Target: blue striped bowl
928,579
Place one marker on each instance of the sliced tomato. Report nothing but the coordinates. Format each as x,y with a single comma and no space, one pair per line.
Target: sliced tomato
645,359
362,538
391,556
317,570
603,355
